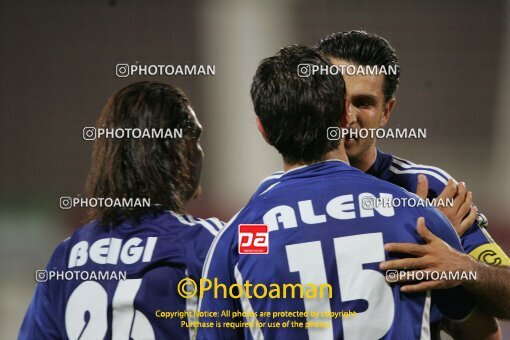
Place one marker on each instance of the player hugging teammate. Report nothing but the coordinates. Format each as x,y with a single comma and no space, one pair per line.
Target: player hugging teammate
317,231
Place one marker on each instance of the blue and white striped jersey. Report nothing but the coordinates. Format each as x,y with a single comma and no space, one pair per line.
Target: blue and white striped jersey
476,240
320,232
405,174
153,255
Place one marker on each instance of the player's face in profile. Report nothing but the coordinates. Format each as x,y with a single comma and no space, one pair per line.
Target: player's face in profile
365,93
196,157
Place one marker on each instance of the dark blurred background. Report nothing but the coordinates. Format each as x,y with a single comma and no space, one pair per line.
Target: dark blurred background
57,67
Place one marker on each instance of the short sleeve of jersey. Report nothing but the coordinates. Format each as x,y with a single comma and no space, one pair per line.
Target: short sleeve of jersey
39,321
474,237
456,303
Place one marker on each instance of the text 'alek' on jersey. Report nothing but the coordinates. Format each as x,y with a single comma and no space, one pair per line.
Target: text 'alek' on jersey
320,232
104,283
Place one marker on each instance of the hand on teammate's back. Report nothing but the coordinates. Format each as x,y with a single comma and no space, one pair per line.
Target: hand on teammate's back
463,213
435,255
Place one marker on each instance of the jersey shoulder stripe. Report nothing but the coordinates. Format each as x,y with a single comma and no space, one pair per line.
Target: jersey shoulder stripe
192,221
274,175
400,166
209,226
269,188
216,222
404,163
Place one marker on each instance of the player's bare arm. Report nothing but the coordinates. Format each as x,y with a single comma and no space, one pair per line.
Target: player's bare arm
477,326
491,301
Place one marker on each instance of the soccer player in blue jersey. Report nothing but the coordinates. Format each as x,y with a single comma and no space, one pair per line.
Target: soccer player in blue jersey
154,246
323,247
373,97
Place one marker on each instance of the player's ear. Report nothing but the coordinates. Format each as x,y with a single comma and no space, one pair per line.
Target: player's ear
348,116
388,107
261,129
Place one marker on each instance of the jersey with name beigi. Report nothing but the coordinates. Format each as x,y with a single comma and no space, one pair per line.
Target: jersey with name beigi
111,283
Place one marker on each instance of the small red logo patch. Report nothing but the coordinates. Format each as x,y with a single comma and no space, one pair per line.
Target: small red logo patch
253,239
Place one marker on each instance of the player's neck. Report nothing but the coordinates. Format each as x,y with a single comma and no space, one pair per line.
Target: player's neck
338,153
366,160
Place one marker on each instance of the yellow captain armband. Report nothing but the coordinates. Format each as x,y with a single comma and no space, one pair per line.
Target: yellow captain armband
492,254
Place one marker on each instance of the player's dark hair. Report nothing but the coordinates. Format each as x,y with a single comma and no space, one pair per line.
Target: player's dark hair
164,170
364,48
296,111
